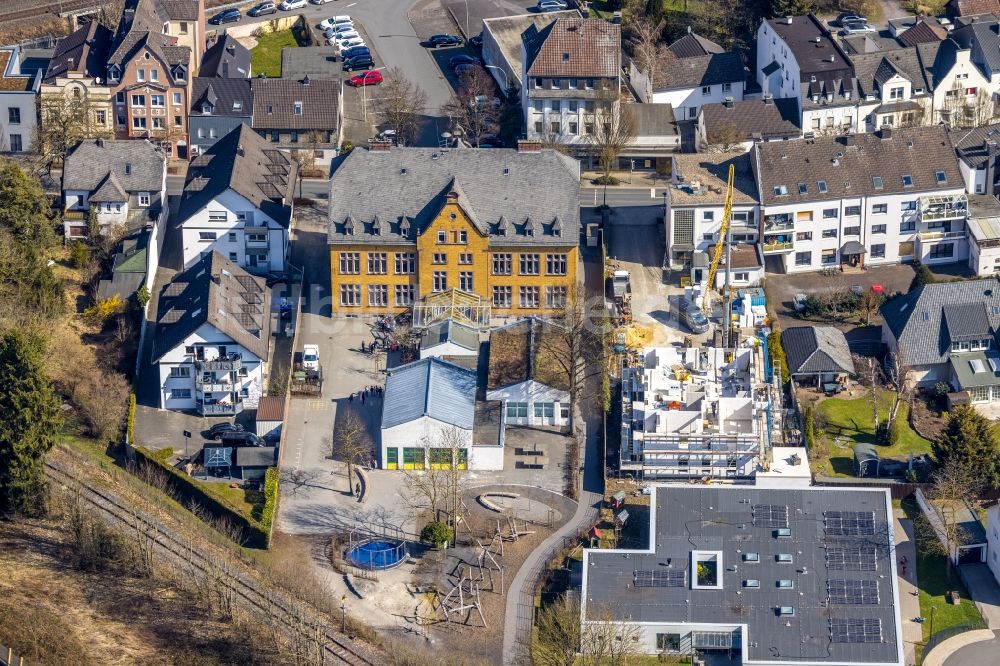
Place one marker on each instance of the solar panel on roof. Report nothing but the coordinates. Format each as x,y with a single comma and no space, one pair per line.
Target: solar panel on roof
851,558
770,515
660,578
855,630
852,592
849,523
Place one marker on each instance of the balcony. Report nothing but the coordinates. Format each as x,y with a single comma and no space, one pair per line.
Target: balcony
213,386
227,364
934,236
783,222
777,244
74,215
950,207
220,409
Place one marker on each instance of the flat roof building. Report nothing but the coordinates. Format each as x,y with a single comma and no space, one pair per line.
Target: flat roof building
771,576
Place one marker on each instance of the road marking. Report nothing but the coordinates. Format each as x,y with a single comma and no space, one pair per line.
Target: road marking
316,405
350,5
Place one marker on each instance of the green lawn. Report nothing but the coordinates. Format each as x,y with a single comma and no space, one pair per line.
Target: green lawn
265,58
248,503
933,583
601,9
850,422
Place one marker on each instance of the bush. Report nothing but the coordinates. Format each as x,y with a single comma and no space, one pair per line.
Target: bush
79,255
163,455
605,180
100,312
894,433
923,276
777,354
142,296
346,147
270,500
809,426
436,533
130,425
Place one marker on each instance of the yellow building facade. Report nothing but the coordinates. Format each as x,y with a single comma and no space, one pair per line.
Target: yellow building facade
515,276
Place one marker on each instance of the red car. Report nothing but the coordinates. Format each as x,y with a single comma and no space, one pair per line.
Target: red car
366,79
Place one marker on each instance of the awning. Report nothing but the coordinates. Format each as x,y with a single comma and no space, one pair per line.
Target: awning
852,247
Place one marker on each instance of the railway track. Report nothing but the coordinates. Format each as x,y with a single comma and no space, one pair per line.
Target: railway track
53,8
336,648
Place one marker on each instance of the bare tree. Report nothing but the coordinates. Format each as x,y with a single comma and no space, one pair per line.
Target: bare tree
648,49
897,376
438,488
954,485
475,108
557,636
868,305
401,103
610,128
351,440
607,641
64,122
109,13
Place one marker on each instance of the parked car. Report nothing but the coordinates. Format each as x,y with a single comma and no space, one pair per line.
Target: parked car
848,17
241,438
310,357
319,2
354,52
561,4
326,24
477,41
288,5
263,9
482,100
464,60
551,6
358,62
438,41
371,78
350,43
341,36
226,16
219,429
339,29
857,28
693,317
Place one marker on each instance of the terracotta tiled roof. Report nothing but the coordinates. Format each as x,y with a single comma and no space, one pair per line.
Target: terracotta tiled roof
922,33
973,7
576,47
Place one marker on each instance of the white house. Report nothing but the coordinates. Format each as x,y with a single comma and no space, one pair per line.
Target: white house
862,199
238,201
125,181
431,420
526,373
978,151
212,338
687,83
19,88
449,339
696,200
893,89
962,93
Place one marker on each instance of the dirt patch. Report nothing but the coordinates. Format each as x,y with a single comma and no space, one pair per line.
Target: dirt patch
925,416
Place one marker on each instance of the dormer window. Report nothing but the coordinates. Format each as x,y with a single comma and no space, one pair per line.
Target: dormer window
297,108
206,108
113,73
237,105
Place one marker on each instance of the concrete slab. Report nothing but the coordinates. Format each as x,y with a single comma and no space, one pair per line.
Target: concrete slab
909,600
984,590
972,648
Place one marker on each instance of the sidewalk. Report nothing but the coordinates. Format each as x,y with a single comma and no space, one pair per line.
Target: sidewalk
637,179
909,601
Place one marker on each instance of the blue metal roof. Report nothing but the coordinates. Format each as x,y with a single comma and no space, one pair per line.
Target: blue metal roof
430,387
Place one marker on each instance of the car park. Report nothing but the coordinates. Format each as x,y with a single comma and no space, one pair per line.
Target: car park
371,78
219,429
288,5
226,16
358,62
438,41
463,60
263,9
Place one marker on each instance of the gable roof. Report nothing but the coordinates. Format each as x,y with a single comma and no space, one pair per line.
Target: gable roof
813,349
973,7
922,32
971,145
217,292
917,320
986,36
141,26
374,192
693,45
226,58
575,47
110,190
85,51
673,72
244,162
522,351
224,95
872,70
452,331
433,388
965,321
813,46
274,104
849,165
88,166
765,119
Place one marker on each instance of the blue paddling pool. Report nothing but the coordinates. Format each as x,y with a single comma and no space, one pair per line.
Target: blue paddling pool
377,554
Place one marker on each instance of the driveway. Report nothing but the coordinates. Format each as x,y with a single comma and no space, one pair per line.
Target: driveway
985,592
909,601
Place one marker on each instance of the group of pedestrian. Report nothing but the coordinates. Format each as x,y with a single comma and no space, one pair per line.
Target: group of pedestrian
367,393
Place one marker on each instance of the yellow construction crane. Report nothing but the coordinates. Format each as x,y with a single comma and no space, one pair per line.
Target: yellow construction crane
720,245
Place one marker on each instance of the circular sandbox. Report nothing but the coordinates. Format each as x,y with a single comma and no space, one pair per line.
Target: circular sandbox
377,554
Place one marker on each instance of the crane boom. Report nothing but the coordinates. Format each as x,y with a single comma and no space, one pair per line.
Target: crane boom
727,213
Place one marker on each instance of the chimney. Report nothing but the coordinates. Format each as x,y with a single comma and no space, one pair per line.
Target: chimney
526,146
788,20
689,30
374,145
728,102
72,63
768,99
886,133
305,81
240,151
832,58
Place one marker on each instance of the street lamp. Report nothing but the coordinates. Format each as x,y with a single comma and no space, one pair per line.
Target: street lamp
506,86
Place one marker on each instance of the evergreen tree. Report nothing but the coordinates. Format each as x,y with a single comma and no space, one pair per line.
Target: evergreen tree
968,442
923,276
29,424
791,7
24,208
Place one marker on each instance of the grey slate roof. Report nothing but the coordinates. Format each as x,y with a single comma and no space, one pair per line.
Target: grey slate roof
110,190
985,35
966,321
85,51
256,456
709,70
223,94
244,162
970,144
90,163
141,26
874,69
812,57
812,349
226,58
433,388
721,519
848,170
274,104
450,331
217,292
316,62
767,119
654,120
918,323
412,183
693,45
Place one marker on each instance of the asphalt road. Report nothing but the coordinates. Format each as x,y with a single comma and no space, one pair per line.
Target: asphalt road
395,41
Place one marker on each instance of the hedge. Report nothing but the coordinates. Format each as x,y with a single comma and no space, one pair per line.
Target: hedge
131,420
187,490
777,353
270,500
